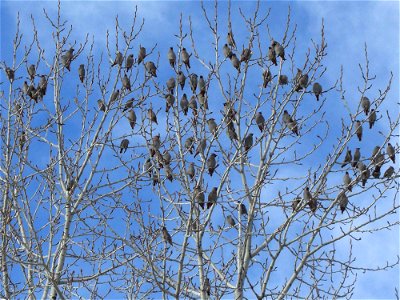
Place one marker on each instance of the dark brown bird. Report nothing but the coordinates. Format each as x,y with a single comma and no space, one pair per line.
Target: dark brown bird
32,72
230,220
184,103
356,157
317,90
101,105
171,57
10,74
207,286
348,158
166,236
359,130
343,201
296,203
124,145
132,118
365,104
347,181
129,62
119,59
212,197
199,196
267,77
389,172
141,55
181,79
81,72
230,40
242,209
308,198
190,171
212,164
152,116
391,152
246,55
185,58
128,104
272,55
372,118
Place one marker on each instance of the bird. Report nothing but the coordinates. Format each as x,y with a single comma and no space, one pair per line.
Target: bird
391,152
202,97
347,181
230,220
190,171
230,129
248,142
207,286
199,196
267,77
227,51
168,173
42,85
293,127
201,147
365,104
124,145
202,84
151,68
283,79
212,163
348,158
126,83
132,118
286,118
185,58
166,236
22,140
302,80
230,40
167,157
272,55
356,157
260,121
193,82
296,203
128,104
181,79
171,83
246,55
343,201
212,126
193,105
372,118
317,90
359,130
364,176
129,62
184,103
25,88
279,50
141,54
152,116
189,144
171,57
101,105
212,197
155,143
66,59
114,96
10,74
81,72
119,59
312,202
170,100
70,185
377,172
379,159
32,72
147,167
389,172
375,151
235,62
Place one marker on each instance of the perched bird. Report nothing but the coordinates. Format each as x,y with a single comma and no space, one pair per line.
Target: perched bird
301,80
201,147
272,55
230,129
230,220
377,172
156,178
212,126
309,199
185,58
181,79
317,90
379,159
141,55
235,62
10,74
372,118
124,145
348,158
193,82
151,68
66,59
168,173
246,55
364,176
171,83
193,105
155,143
227,51
22,140
356,157
242,209
359,130
70,185
375,151
283,79
229,112
389,172
343,201
296,203
114,96
128,104
391,152
202,84
32,72
81,72
365,104
167,157
347,181
166,236
230,40
190,171
212,197
286,118
212,163
148,167
248,142
101,105
42,87
119,59
189,144
199,196
129,62
184,103
293,127
260,121
32,93
279,50
207,286
152,116
202,97
132,118
267,77
171,57
25,88
126,83
170,100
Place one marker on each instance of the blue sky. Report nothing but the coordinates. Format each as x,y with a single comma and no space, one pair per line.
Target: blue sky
348,26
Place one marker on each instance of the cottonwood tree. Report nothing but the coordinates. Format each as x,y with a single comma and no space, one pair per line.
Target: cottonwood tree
148,171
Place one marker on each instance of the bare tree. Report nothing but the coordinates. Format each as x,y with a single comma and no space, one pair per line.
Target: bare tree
223,180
